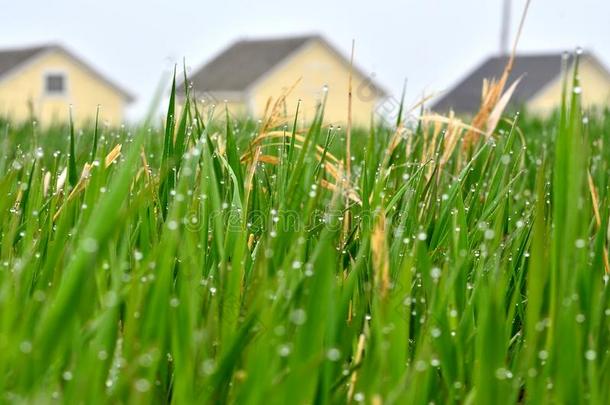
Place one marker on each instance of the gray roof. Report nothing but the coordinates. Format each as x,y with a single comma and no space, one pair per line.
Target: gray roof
13,59
537,71
244,62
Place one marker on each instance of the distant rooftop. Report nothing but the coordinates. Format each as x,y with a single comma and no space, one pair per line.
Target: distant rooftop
11,58
247,60
14,58
538,70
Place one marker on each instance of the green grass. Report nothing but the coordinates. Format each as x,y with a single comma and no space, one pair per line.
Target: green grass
183,273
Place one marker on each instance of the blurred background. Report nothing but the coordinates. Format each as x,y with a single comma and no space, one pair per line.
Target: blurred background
431,43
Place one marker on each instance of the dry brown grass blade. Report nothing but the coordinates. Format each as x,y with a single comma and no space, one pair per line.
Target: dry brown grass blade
46,183
82,181
279,134
274,160
422,101
394,142
493,91
357,360
112,155
145,165
18,199
348,141
452,138
254,155
61,180
598,217
349,192
449,120
221,144
272,119
84,178
496,114
348,130
331,167
381,256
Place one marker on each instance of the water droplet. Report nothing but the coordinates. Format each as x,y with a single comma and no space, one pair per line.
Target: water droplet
284,350
208,366
333,354
25,346
590,355
298,316
142,385
503,374
90,245
110,299
435,273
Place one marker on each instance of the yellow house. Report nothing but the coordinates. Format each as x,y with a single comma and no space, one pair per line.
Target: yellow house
42,82
541,85
249,72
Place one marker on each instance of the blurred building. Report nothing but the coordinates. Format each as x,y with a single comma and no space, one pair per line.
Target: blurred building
250,72
42,82
539,91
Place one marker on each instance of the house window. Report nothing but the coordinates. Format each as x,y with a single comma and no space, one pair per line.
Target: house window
55,83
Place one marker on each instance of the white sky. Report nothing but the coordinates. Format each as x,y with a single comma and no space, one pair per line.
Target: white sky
432,43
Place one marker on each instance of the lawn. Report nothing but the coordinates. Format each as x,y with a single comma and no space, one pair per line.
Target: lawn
213,260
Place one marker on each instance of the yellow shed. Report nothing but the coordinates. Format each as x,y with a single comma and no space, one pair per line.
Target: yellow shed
249,72
42,82
541,83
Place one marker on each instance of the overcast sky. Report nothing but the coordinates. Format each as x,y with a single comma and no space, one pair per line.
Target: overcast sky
432,43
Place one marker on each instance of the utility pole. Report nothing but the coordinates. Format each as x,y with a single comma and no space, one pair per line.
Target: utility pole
505,30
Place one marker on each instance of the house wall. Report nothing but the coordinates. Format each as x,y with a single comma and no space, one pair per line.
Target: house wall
595,86
85,91
316,66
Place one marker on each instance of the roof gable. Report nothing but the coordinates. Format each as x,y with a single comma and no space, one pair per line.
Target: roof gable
11,60
242,63
246,62
538,71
